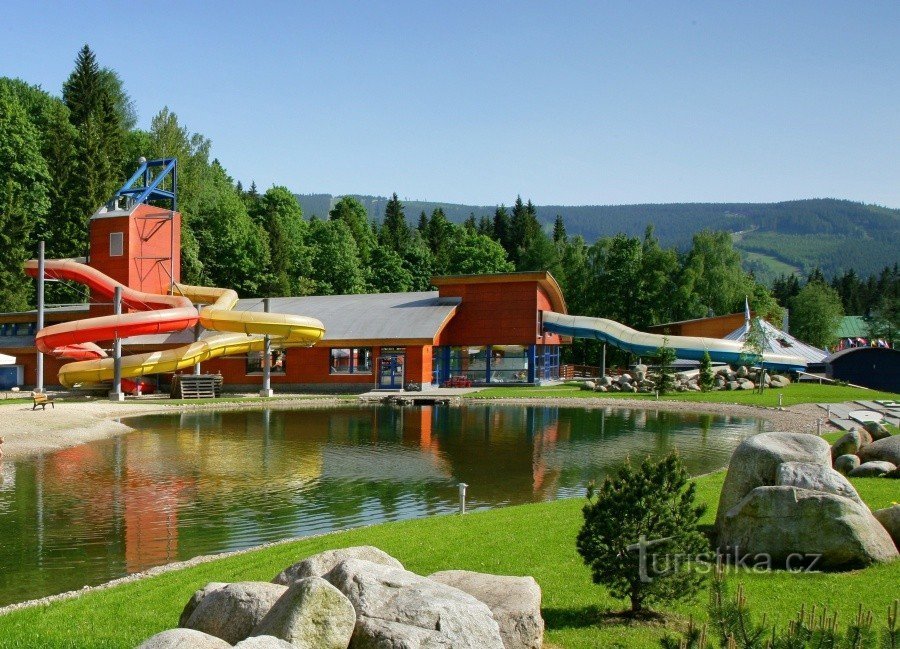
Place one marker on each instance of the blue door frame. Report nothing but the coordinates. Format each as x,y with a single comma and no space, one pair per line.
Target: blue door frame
390,371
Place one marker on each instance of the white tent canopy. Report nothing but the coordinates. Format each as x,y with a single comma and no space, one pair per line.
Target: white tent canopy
7,360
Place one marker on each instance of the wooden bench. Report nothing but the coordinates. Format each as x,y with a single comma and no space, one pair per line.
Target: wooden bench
41,399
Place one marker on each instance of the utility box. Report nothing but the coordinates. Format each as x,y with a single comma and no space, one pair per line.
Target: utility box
11,376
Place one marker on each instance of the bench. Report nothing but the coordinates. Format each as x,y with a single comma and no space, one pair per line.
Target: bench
41,399
458,382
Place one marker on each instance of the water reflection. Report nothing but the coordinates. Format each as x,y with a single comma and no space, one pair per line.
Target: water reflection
203,482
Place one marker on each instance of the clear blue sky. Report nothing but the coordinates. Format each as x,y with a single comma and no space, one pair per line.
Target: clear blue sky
475,102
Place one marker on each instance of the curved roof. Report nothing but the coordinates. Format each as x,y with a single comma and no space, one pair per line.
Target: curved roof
543,278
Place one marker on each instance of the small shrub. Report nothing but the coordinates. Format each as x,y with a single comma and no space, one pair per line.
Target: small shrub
652,505
664,358
707,379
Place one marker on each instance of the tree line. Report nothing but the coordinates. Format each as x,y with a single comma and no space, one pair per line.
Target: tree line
62,157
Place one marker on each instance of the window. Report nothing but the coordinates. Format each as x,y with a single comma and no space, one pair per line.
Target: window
116,244
255,362
350,360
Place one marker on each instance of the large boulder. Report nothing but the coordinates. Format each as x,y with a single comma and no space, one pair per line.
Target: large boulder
515,603
263,642
848,444
195,600
311,614
877,430
398,609
872,469
845,463
232,612
756,460
319,564
884,450
789,526
889,517
815,477
184,639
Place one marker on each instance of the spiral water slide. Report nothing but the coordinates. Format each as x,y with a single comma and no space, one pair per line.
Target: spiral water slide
646,344
150,313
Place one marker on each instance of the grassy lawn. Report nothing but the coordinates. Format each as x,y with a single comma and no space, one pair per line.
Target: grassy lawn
791,395
241,399
533,539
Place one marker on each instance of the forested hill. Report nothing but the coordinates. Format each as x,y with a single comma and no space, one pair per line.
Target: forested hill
774,237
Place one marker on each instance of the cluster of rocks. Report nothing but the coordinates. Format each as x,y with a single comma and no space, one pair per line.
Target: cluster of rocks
868,453
640,379
783,500
361,598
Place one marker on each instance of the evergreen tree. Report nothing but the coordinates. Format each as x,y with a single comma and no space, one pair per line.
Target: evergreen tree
441,235
559,230
394,232
707,378
386,272
664,358
418,262
24,198
486,226
502,233
422,227
470,224
652,503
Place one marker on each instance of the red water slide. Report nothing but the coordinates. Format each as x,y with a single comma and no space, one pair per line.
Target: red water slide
152,313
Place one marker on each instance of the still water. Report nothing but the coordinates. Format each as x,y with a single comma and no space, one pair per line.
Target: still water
204,482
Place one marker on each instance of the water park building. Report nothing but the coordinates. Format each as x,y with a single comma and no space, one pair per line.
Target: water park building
474,329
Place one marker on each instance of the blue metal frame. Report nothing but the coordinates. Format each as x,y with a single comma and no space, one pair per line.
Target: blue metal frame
149,190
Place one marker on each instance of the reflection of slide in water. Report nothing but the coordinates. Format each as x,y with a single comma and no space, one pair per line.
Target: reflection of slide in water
156,314
645,344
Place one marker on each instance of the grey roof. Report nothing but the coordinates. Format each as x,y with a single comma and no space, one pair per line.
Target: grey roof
376,316
781,342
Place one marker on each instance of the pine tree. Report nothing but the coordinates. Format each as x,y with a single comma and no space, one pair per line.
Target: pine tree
653,503
559,230
354,215
422,227
502,229
486,227
470,224
707,378
664,358
394,231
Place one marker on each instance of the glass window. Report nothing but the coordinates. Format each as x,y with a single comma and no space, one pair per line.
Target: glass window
116,244
350,360
548,362
255,362
509,364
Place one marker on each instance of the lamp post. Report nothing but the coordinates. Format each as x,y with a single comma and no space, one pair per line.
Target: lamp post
267,360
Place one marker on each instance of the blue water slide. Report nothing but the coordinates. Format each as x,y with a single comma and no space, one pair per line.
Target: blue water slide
645,344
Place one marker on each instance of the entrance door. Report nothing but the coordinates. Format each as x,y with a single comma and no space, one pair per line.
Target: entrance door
390,371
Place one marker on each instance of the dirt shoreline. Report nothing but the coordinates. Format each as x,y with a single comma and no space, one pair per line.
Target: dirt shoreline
72,423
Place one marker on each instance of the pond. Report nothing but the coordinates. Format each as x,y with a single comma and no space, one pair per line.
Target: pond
197,483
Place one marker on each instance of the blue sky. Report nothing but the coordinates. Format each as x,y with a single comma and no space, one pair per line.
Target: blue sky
476,102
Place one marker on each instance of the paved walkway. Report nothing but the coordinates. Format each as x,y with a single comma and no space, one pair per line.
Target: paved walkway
840,414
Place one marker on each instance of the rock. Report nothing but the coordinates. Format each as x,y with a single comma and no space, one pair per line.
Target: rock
747,384
755,463
184,639
627,387
884,450
515,603
311,614
604,381
872,469
232,612
196,598
264,642
848,444
319,564
742,372
399,609
639,376
889,517
779,522
590,385
625,378
600,388
877,430
732,385
640,367
846,463
815,477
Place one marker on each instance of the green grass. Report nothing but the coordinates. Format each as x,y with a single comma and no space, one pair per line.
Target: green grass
241,399
791,395
15,400
533,539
